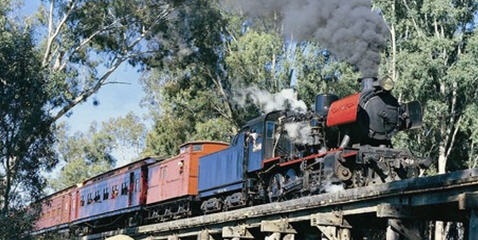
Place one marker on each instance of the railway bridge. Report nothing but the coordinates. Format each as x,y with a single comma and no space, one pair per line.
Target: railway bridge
393,211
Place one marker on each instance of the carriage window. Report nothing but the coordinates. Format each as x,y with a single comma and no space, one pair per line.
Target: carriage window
114,191
106,194
270,129
90,199
82,201
197,148
124,188
136,185
97,196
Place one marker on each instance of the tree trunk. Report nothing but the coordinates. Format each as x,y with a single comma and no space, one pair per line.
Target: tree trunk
442,159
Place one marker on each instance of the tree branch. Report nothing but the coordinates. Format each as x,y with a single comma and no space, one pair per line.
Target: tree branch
413,19
452,142
125,55
51,38
86,41
50,18
87,93
220,88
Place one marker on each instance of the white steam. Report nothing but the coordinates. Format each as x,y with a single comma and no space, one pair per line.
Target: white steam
299,132
347,28
269,102
330,187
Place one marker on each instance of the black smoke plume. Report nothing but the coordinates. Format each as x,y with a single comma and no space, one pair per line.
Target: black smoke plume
347,28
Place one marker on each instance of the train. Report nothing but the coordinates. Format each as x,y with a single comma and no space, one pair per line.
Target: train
342,143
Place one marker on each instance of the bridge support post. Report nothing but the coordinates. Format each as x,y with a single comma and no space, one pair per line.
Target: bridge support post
236,233
472,230
332,225
205,235
469,201
396,225
278,230
173,237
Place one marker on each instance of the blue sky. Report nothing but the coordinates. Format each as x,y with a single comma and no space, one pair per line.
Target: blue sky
115,100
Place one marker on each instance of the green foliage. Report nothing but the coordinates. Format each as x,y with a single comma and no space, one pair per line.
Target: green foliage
166,136
317,72
84,41
25,139
222,56
85,155
433,58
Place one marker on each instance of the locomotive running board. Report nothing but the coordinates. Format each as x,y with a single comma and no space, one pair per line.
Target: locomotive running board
447,197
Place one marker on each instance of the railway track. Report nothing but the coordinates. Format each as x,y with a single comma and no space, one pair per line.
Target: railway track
395,209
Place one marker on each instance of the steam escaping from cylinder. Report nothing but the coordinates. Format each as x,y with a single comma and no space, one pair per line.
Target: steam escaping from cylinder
347,28
268,102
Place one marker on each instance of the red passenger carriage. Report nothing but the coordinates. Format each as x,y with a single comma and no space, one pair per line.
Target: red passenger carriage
55,212
173,183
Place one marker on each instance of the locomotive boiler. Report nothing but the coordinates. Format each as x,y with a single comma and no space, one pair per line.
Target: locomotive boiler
343,143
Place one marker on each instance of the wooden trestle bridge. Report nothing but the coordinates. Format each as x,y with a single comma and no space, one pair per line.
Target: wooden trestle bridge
397,210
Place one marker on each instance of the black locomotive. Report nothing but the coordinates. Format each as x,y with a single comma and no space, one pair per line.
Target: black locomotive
343,143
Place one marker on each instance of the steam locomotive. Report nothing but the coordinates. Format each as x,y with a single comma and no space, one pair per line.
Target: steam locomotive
347,144
344,143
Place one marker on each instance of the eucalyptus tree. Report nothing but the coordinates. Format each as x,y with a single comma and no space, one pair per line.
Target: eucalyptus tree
51,65
195,94
84,41
85,154
433,57
25,133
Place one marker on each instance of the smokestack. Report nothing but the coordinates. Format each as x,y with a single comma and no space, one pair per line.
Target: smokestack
368,83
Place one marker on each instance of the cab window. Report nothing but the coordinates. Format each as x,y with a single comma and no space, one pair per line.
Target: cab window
270,127
197,148
183,149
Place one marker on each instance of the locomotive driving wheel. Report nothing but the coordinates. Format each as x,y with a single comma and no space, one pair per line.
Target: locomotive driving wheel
275,187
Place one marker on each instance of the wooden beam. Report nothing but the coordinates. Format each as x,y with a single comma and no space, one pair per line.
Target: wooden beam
472,230
205,235
394,211
391,234
468,200
335,219
335,233
409,231
239,232
173,237
279,226
273,236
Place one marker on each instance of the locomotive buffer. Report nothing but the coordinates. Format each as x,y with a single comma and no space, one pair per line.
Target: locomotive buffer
396,210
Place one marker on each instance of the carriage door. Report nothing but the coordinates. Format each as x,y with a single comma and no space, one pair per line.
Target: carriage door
255,147
130,188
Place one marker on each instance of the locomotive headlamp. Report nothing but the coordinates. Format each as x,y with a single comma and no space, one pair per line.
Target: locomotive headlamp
387,84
